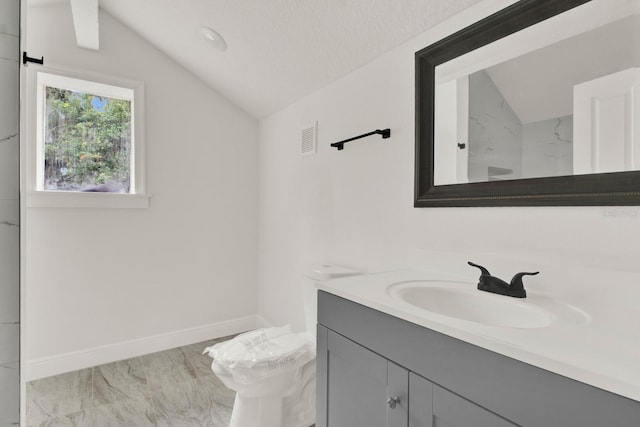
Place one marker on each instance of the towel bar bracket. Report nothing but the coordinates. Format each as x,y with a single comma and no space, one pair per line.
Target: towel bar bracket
26,59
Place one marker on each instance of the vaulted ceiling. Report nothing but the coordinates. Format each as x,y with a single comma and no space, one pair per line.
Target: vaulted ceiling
278,50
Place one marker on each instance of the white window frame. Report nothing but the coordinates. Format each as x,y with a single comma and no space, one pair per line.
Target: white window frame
37,79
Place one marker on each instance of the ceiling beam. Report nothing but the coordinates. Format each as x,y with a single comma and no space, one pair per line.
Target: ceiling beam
85,21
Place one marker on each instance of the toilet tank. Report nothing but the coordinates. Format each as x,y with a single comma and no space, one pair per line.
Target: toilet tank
313,276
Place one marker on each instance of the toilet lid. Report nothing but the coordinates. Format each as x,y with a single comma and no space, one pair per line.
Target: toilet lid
270,347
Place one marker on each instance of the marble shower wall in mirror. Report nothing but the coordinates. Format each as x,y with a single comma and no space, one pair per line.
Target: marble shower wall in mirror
501,146
543,103
9,213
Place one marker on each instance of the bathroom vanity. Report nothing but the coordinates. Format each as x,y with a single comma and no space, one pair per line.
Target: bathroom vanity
380,364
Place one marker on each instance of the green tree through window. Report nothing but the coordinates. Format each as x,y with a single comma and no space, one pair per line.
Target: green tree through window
87,142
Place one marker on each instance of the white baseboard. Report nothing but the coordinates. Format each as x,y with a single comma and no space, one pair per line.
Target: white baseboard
68,362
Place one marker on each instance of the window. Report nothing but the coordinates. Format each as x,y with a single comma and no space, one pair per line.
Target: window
87,145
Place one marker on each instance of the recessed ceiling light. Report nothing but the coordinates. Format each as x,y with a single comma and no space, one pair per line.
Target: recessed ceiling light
214,38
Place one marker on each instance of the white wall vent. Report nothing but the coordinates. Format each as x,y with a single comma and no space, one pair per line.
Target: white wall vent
309,140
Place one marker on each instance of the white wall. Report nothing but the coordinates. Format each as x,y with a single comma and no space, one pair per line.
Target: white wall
354,206
108,283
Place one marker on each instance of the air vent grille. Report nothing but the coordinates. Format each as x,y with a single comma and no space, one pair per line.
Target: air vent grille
308,142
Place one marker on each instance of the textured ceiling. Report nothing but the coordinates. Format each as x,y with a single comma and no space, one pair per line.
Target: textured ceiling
278,50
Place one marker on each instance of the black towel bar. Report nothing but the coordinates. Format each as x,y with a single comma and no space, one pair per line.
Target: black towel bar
386,133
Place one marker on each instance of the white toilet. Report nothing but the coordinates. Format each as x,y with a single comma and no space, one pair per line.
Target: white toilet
272,370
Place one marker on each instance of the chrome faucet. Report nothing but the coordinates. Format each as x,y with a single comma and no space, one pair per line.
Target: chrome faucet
490,283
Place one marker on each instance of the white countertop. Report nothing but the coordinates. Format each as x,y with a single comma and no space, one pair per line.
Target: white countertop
603,351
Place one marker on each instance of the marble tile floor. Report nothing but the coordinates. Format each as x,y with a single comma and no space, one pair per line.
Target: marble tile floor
173,388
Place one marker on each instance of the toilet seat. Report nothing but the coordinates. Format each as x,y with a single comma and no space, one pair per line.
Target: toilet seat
262,362
267,348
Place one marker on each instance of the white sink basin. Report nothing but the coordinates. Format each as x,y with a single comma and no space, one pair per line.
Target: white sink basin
463,301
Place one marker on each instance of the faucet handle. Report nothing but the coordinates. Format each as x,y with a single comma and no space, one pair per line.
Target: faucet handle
516,281
483,270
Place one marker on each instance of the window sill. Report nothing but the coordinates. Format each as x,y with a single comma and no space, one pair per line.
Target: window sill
59,199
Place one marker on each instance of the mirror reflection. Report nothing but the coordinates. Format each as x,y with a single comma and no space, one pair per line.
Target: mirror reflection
559,98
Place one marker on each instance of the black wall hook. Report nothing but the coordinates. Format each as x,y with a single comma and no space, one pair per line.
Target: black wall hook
26,58
386,133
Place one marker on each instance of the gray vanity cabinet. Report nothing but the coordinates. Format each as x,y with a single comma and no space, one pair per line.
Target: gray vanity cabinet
358,384
365,357
365,389
433,406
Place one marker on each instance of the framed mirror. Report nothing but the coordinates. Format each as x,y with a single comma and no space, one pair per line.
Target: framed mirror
536,105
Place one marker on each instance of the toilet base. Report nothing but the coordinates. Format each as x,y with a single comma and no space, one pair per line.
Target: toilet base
294,410
265,411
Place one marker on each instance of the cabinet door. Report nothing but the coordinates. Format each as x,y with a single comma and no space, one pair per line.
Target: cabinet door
420,402
433,406
356,385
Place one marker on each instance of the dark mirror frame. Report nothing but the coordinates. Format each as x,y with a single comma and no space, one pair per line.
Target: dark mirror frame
608,189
